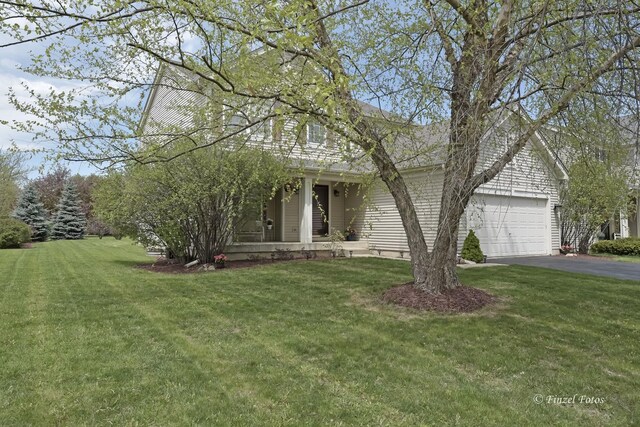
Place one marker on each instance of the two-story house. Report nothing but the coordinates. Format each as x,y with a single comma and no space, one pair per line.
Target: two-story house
515,214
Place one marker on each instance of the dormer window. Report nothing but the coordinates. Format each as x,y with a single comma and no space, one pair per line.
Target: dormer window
316,134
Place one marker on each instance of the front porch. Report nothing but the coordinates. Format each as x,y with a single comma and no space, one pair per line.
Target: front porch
621,226
303,217
244,250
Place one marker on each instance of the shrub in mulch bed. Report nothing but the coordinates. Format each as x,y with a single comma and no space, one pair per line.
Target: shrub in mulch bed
626,246
462,299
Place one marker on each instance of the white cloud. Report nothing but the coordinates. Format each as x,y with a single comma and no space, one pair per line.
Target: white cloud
12,77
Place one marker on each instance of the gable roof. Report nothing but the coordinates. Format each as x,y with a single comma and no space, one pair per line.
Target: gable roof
427,145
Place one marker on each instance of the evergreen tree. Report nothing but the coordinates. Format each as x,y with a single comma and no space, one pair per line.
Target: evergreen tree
471,248
31,211
69,222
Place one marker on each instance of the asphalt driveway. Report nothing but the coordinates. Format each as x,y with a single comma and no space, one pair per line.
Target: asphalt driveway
580,264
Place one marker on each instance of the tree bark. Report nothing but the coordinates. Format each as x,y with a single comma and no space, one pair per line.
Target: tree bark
418,248
440,271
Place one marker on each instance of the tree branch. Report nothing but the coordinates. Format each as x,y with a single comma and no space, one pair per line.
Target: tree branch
497,166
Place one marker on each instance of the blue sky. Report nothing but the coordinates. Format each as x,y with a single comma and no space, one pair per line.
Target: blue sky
11,58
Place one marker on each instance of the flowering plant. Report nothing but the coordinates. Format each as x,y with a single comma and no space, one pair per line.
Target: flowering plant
220,259
566,248
350,231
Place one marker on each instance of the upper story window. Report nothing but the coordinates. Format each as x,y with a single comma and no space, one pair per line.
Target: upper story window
601,154
316,134
236,121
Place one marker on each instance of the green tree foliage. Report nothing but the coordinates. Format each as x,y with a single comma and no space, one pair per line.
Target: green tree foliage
115,206
31,211
628,246
50,185
13,233
471,248
12,172
193,204
596,192
69,222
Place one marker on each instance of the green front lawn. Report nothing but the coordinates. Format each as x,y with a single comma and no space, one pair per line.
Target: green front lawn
85,338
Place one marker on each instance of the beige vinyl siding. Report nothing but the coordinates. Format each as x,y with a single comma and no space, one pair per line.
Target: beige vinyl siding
336,207
171,109
277,215
170,106
530,173
293,145
387,232
291,217
355,209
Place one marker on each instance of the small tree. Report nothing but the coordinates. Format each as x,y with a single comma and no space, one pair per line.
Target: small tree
31,211
596,191
194,204
471,248
12,173
69,222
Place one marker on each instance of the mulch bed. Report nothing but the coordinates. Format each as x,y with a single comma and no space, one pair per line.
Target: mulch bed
462,299
163,265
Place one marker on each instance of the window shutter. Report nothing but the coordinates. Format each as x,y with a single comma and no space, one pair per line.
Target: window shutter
278,126
331,137
301,129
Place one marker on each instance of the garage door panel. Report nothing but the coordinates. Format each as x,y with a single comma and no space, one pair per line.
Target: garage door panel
509,226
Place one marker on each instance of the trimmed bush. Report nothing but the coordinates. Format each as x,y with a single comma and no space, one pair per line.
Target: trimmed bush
13,233
628,246
471,248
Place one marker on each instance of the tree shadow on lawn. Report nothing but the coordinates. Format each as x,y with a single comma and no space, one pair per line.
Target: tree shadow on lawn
131,263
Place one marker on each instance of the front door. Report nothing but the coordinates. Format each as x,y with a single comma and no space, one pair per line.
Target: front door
321,210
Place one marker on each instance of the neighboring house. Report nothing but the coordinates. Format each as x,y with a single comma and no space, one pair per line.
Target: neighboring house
630,227
622,224
512,215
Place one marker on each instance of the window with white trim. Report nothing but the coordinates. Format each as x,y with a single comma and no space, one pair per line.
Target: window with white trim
236,121
316,134
601,154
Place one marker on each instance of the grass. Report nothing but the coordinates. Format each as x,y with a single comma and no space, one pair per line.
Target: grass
85,338
621,258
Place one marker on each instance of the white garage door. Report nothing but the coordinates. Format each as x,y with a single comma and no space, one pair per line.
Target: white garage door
508,226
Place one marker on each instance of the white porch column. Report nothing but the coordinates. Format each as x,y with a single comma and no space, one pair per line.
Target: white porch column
283,207
306,211
624,226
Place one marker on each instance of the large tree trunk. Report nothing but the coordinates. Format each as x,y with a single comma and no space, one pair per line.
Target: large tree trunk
464,150
441,267
418,249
